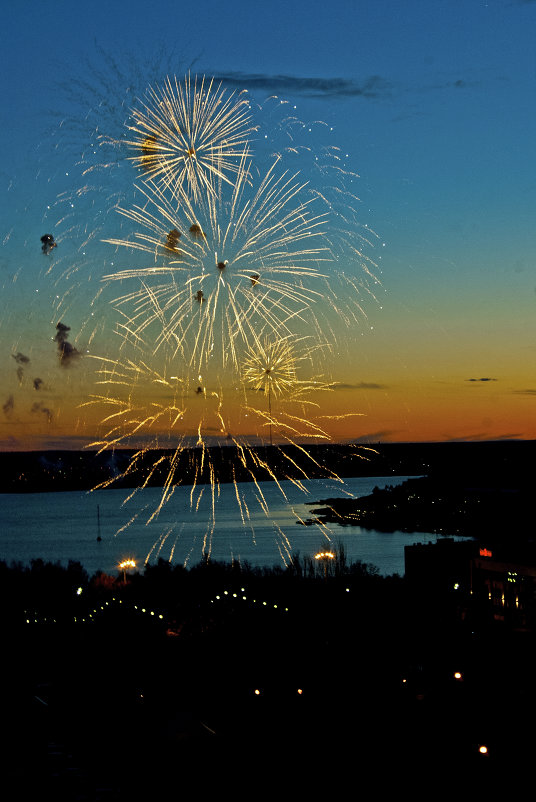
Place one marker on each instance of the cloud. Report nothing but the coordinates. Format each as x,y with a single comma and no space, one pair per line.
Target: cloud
62,443
372,87
359,386
482,437
459,83
381,436
527,391
483,379
10,443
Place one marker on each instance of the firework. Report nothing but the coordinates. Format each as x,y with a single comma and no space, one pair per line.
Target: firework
226,309
183,431
190,133
270,366
251,261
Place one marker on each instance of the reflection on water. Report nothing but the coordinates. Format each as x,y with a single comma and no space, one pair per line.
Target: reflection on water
63,526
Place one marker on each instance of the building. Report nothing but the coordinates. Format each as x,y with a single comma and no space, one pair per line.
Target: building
507,580
499,580
443,565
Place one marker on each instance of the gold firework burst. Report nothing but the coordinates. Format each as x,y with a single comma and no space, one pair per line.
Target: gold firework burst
270,366
250,261
191,133
224,310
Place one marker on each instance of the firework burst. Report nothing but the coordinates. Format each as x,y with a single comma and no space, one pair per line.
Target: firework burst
183,434
226,310
270,366
224,269
191,134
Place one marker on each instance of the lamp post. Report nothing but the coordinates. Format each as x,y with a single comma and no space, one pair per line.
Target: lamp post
124,565
325,557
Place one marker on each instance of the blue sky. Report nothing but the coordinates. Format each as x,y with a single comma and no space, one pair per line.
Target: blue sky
432,104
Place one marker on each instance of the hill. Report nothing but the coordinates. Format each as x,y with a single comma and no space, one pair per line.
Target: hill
490,464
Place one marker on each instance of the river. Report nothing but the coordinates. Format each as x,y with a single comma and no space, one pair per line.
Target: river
67,525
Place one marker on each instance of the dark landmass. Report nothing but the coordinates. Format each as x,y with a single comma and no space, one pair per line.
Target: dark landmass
83,470
490,507
480,490
306,678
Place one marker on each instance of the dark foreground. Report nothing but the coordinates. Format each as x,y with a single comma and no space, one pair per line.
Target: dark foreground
324,678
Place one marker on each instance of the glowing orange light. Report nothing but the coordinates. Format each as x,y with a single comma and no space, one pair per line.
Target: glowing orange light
457,675
485,553
257,692
123,567
483,750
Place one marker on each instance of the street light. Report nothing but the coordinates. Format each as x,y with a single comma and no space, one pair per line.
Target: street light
124,565
325,557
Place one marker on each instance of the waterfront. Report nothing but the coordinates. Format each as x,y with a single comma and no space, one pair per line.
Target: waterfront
65,526
201,672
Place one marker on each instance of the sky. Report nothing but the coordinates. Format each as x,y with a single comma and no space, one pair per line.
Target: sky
431,106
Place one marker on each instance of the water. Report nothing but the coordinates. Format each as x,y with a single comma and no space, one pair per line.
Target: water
63,526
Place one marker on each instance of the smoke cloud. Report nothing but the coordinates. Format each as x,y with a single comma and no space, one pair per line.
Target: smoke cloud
66,350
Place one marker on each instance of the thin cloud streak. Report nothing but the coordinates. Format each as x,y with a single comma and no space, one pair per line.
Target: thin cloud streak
359,386
323,88
483,437
372,438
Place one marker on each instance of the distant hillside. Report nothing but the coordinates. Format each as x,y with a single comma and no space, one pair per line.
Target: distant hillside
489,464
439,504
